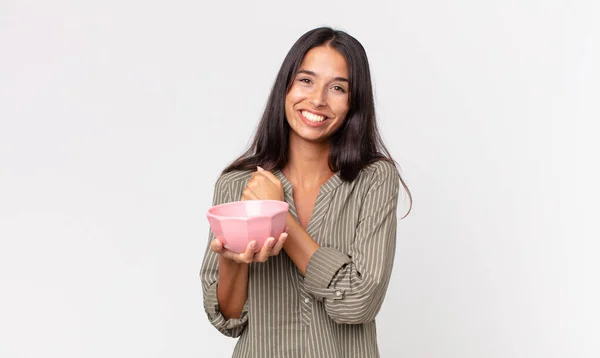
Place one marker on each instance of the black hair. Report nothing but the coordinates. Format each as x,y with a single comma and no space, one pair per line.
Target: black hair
356,144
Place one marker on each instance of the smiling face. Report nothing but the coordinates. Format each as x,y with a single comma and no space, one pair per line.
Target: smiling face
318,100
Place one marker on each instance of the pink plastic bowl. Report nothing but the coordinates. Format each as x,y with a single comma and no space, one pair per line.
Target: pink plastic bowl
239,222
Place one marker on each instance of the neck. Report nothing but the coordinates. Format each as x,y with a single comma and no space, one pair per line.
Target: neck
308,164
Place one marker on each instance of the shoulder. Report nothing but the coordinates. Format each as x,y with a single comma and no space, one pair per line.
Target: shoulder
379,172
231,178
226,186
381,176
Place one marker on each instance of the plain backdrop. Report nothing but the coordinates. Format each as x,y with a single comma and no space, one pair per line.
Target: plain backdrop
116,118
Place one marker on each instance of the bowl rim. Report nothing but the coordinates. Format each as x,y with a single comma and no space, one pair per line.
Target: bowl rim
245,218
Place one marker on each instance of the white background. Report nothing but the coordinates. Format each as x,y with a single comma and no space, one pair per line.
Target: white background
117,116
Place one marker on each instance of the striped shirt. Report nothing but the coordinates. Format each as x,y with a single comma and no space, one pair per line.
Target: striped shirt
331,311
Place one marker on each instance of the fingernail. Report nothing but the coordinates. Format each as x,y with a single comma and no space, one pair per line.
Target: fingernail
259,169
270,242
253,245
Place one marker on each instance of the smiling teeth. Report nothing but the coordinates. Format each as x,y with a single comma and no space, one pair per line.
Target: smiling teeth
313,117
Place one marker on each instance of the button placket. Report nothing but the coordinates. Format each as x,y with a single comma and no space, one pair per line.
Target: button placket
305,306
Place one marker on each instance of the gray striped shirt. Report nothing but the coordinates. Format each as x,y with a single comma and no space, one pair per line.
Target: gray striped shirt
331,312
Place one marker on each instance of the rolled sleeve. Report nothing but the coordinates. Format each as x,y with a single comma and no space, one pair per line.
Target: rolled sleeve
232,327
322,267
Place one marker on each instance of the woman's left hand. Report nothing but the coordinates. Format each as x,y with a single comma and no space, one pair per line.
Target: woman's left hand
263,186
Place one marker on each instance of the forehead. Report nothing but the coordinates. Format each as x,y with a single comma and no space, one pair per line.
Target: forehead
325,61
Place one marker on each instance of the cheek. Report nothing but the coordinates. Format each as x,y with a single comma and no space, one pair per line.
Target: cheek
288,104
341,108
295,95
291,99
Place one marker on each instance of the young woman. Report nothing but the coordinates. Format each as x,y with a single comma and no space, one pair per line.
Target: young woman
314,291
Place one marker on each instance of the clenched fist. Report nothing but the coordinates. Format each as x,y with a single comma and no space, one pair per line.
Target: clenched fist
263,185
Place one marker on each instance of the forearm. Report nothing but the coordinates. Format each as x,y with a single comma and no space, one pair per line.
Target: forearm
353,282
232,289
299,246
350,295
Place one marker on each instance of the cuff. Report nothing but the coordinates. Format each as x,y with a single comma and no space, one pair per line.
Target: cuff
322,267
232,327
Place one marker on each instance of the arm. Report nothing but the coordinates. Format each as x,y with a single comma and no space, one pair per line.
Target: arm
353,284
232,292
224,282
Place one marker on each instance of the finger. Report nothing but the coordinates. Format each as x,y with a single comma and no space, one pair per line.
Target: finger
252,184
248,255
269,175
254,174
258,178
279,244
217,246
249,194
239,258
252,194
265,252
231,256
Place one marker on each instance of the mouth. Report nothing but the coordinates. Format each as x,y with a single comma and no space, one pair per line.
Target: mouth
312,118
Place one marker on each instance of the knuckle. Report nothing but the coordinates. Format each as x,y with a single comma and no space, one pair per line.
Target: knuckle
216,250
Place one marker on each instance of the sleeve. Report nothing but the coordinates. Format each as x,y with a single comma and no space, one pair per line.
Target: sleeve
353,284
209,274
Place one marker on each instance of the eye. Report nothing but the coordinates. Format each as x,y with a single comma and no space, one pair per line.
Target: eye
305,80
339,89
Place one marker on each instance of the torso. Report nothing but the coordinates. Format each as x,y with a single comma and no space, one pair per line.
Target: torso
305,202
285,316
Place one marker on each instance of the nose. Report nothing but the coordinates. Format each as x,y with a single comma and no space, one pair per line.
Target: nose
318,98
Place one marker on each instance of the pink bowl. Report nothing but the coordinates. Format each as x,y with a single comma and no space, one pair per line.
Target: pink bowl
239,222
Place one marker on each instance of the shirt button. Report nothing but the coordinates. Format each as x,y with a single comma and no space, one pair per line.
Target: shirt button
338,293
306,300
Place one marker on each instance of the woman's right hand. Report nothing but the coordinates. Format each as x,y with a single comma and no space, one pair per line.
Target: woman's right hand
272,247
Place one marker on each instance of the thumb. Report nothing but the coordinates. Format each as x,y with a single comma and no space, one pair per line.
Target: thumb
269,175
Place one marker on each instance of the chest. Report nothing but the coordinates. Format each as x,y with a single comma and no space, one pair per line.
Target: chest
305,201
330,218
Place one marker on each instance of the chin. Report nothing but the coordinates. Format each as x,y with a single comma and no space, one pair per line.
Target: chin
316,139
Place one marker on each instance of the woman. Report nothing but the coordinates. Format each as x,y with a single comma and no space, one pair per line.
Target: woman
315,290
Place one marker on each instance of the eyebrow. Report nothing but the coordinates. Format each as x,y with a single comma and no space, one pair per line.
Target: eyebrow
311,73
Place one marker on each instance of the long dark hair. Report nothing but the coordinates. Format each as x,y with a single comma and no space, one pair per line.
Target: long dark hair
356,144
